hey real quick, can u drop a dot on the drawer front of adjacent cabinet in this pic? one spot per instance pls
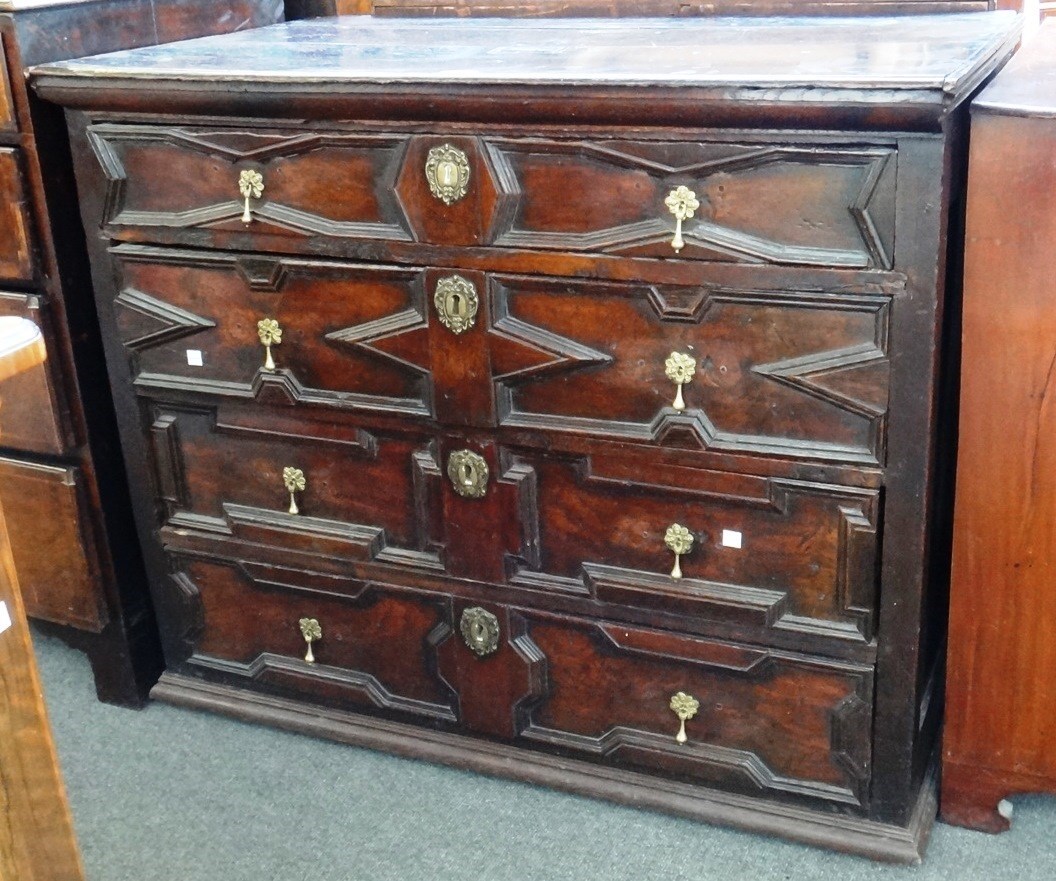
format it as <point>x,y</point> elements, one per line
<point>787,373</point>
<point>716,200</point>
<point>762,554</point>
<point>731,716</point>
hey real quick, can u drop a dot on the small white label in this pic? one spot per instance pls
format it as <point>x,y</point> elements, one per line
<point>731,538</point>
<point>5,617</point>
<point>194,357</point>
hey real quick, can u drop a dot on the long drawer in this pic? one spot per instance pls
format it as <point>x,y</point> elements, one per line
<point>761,553</point>
<point>793,202</point>
<point>751,719</point>
<point>779,372</point>
<point>50,527</point>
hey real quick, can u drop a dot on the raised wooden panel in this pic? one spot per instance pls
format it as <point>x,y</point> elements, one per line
<point>49,525</point>
<point>496,691</point>
<point>33,415</point>
<point>377,648</point>
<point>352,336</point>
<point>787,373</point>
<point>807,558</point>
<point>17,261</point>
<point>314,184</point>
<point>759,203</point>
<point>221,471</point>
<point>768,722</point>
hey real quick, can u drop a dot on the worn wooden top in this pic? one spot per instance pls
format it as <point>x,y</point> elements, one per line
<point>929,60</point>
<point>1027,87</point>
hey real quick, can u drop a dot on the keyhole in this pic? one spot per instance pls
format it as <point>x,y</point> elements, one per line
<point>467,474</point>
<point>478,632</point>
<point>456,304</point>
<point>447,174</point>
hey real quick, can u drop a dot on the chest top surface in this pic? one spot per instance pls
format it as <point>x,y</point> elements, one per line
<point>928,52</point>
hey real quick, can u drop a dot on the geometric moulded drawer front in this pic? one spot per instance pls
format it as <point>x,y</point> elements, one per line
<point>764,553</point>
<point>192,321</point>
<point>764,721</point>
<point>786,204</point>
<point>774,371</point>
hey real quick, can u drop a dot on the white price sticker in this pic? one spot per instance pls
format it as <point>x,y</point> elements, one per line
<point>5,618</point>
<point>731,538</point>
<point>194,357</point>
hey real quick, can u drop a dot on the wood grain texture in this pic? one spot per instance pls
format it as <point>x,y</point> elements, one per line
<point>36,834</point>
<point>1000,695</point>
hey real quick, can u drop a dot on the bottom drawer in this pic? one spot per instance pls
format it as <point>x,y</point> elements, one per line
<point>752,720</point>
<point>49,525</point>
<point>731,716</point>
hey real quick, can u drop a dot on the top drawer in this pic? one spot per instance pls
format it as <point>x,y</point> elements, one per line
<point>812,205</point>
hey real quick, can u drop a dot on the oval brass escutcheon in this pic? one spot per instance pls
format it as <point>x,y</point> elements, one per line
<point>447,171</point>
<point>480,630</point>
<point>456,303</point>
<point>468,473</point>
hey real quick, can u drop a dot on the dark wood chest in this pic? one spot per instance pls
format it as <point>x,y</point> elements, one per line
<point>570,391</point>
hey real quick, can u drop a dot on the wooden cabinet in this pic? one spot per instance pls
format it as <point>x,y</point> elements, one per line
<point>1000,692</point>
<point>514,425</point>
<point>69,513</point>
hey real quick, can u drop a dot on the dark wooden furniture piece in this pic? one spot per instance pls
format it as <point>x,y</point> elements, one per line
<point>1001,691</point>
<point>69,515</point>
<point>36,834</point>
<point>452,391</point>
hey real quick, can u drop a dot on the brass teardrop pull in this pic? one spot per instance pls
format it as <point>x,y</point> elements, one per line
<point>270,334</point>
<point>250,186</point>
<point>312,632</point>
<point>684,706</point>
<point>682,202</point>
<point>679,541</point>
<point>679,368</point>
<point>294,481</point>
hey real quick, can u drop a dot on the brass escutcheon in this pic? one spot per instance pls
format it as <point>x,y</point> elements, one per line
<point>447,171</point>
<point>456,303</point>
<point>468,473</point>
<point>480,630</point>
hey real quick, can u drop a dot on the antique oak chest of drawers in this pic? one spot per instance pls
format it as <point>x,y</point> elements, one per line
<point>558,399</point>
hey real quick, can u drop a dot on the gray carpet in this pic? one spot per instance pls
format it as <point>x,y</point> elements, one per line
<point>173,795</point>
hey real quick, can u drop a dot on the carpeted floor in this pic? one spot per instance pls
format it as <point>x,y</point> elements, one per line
<point>172,795</point>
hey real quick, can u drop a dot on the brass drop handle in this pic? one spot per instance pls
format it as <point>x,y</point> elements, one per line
<point>684,706</point>
<point>680,368</point>
<point>679,541</point>
<point>681,202</point>
<point>251,186</point>
<point>293,480</point>
<point>270,334</point>
<point>312,632</point>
